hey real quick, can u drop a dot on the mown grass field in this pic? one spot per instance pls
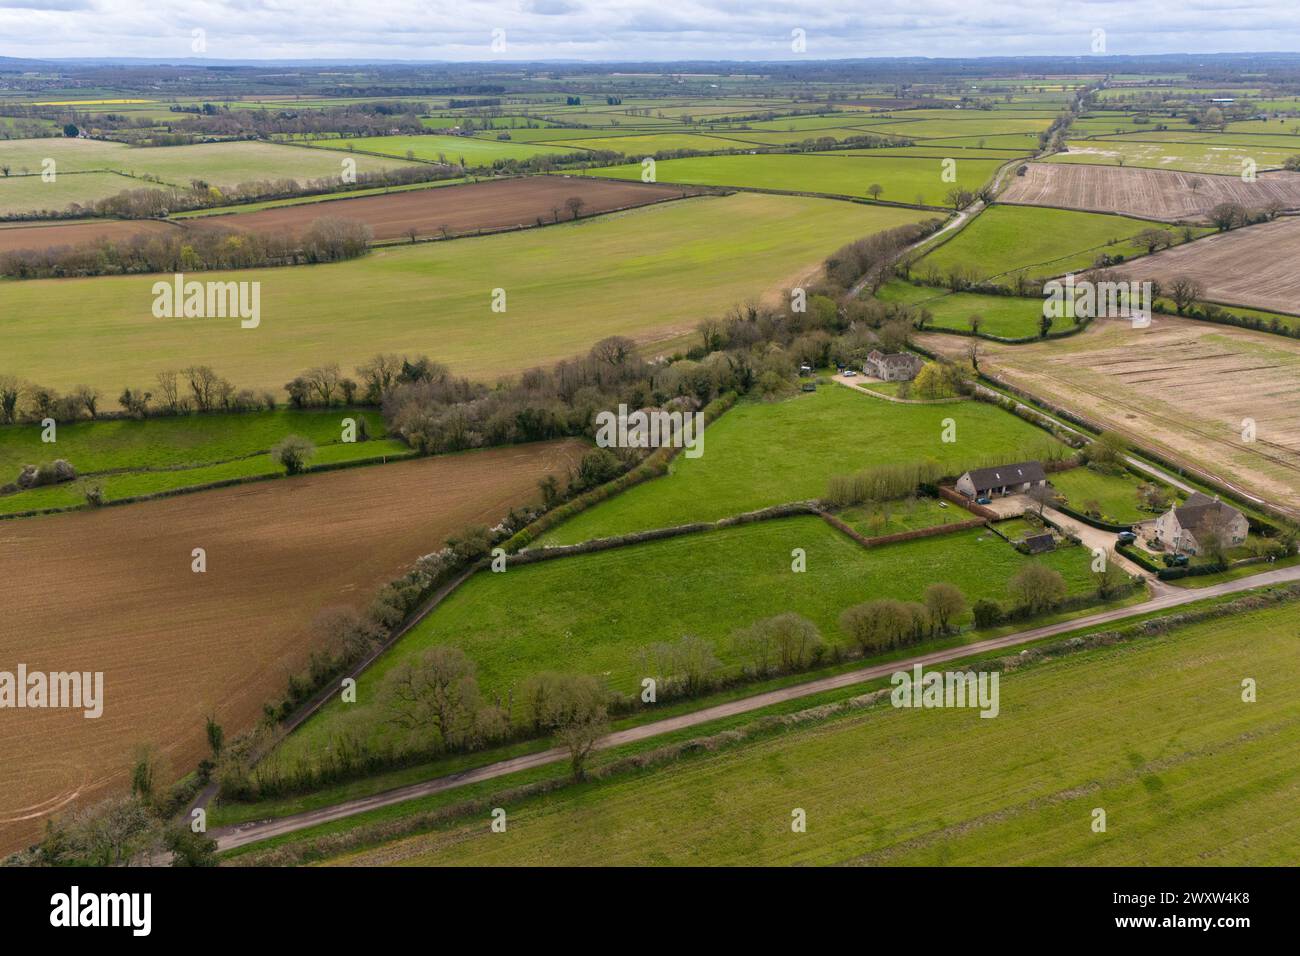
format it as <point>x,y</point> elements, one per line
<point>451,149</point>
<point>1115,494</point>
<point>595,613</point>
<point>903,179</point>
<point>126,457</point>
<point>910,514</point>
<point>1003,315</point>
<point>1154,732</point>
<point>567,286</point>
<point>767,453</point>
<point>1038,240</point>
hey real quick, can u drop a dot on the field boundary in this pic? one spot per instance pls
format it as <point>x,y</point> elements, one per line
<point>238,835</point>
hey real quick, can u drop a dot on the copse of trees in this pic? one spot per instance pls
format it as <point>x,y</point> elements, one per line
<point>885,624</point>
<point>780,644</point>
<point>872,259</point>
<point>878,483</point>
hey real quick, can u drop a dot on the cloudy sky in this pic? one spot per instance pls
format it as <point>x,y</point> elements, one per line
<point>638,29</point>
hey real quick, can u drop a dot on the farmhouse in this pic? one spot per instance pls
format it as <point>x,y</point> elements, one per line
<point>1002,479</point>
<point>894,367</point>
<point>1186,527</point>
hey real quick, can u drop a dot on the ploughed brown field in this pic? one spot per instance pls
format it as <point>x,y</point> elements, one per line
<point>1255,266</point>
<point>1151,193</point>
<point>1183,387</point>
<point>113,591</point>
<point>470,208</point>
<point>53,235</point>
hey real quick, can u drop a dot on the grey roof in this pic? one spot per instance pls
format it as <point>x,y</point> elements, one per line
<point>1000,475</point>
<point>1200,511</point>
<point>1038,543</point>
<point>894,358</point>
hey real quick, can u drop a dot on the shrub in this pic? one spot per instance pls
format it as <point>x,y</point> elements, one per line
<point>988,613</point>
<point>47,473</point>
<point>293,452</point>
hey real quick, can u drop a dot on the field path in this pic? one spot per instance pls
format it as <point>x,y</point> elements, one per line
<point>228,838</point>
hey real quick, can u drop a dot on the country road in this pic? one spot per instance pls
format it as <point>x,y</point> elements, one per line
<point>228,838</point>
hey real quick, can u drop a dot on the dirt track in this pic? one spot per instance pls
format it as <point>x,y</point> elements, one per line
<point>488,206</point>
<point>1255,266</point>
<point>113,591</point>
<point>1152,193</point>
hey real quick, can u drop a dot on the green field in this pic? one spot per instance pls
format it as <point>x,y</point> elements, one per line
<point>941,151</point>
<point>1115,495</point>
<point>221,164</point>
<point>126,457</point>
<point>1039,240</point>
<point>764,453</point>
<point>1002,315</point>
<point>23,194</point>
<point>1154,732</point>
<point>1105,124</point>
<point>993,124</point>
<point>789,137</point>
<point>594,613</point>
<point>905,180</point>
<point>567,287</point>
<point>1022,142</point>
<point>451,149</point>
<point>910,514</point>
<point>648,145</point>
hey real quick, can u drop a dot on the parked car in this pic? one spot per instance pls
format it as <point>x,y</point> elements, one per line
<point>849,373</point>
<point>1126,537</point>
<point>1175,560</point>
<point>986,500</point>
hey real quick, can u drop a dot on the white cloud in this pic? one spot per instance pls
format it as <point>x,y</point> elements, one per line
<point>637,29</point>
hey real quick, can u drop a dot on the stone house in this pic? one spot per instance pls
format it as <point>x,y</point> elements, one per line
<point>894,367</point>
<point>1185,527</point>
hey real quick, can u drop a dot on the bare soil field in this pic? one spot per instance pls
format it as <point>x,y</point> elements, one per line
<point>1152,193</point>
<point>1181,386</point>
<point>1255,266</point>
<point>51,235</point>
<point>113,591</point>
<point>471,208</point>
